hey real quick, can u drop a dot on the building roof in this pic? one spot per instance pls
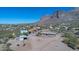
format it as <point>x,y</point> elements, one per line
<point>22,36</point>
<point>23,31</point>
<point>50,33</point>
<point>77,33</point>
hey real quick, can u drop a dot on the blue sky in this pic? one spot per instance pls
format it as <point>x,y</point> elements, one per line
<point>14,15</point>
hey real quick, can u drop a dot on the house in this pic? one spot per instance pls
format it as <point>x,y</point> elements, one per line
<point>75,30</point>
<point>23,31</point>
<point>48,33</point>
<point>77,34</point>
<point>23,35</point>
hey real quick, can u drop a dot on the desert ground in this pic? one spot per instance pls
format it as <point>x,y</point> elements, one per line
<point>40,43</point>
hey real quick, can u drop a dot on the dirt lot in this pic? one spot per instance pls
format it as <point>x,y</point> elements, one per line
<point>46,43</point>
<point>40,43</point>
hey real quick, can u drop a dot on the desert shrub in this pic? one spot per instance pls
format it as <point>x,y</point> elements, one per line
<point>6,47</point>
<point>66,40</point>
<point>70,40</point>
<point>72,45</point>
<point>62,29</point>
<point>9,44</point>
<point>38,34</point>
<point>18,44</point>
<point>5,40</point>
<point>11,36</point>
<point>1,42</point>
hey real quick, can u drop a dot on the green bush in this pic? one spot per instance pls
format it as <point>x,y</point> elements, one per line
<point>66,41</point>
<point>70,39</point>
<point>1,42</point>
<point>9,44</point>
<point>6,47</point>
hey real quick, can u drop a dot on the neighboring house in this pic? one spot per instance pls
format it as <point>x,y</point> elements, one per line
<point>34,29</point>
<point>75,30</point>
<point>77,34</point>
<point>22,35</point>
<point>38,28</point>
<point>23,31</point>
<point>47,32</point>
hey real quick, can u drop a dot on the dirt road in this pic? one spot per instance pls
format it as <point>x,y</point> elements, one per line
<point>40,43</point>
<point>46,43</point>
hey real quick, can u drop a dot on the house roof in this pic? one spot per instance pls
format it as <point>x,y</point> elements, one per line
<point>22,31</point>
<point>22,36</point>
<point>51,33</point>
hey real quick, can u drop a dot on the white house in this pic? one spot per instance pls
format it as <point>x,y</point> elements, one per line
<point>23,31</point>
<point>22,36</point>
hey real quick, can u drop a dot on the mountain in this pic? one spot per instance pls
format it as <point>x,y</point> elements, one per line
<point>60,17</point>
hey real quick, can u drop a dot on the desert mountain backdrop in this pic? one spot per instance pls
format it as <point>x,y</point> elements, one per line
<point>60,16</point>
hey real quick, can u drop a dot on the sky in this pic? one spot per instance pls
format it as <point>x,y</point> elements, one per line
<point>15,15</point>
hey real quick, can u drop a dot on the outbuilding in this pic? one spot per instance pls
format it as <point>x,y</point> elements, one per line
<point>22,37</point>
